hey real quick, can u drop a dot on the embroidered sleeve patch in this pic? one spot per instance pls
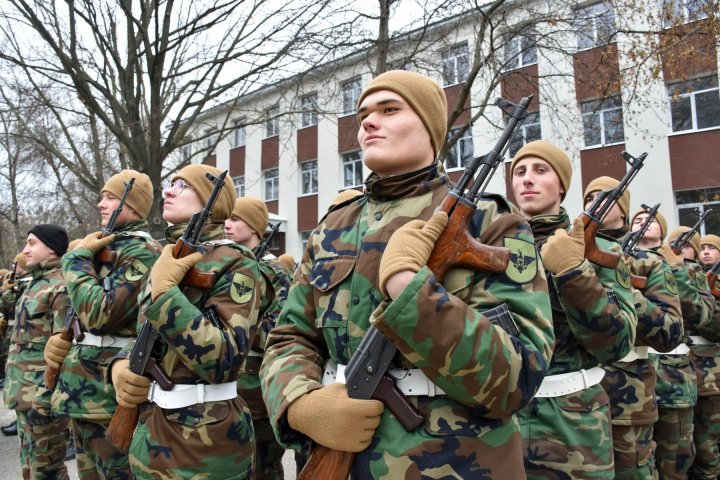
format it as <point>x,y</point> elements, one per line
<point>242,288</point>
<point>671,283</point>
<point>701,282</point>
<point>523,263</point>
<point>136,271</point>
<point>622,274</point>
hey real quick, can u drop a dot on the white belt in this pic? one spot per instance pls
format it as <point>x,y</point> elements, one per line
<point>637,353</point>
<point>411,382</point>
<point>681,349</point>
<point>104,340</point>
<point>184,395</point>
<point>698,340</point>
<point>567,383</point>
<point>253,353</point>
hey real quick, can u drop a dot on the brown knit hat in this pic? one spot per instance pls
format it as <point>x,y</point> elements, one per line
<point>694,240</point>
<point>556,158</point>
<point>424,96</point>
<point>194,175</point>
<point>140,198</point>
<point>287,262</point>
<point>344,196</point>
<point>21,260</point>
<point>606,183</point>
<point>5,271</point>
<point>713,240</point>
<point>660,219</point>
<point>254,212</point>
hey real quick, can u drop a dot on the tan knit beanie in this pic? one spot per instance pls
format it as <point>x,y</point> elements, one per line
<point>140,197</point>
<point>21,261</point>
<point>194,175</point>
<point>713,240</point>
<point>660,219</point>
<point>287,262</point>
<point>607,183</point>
<point>694,240</point>
<point>424,96</point>
<point>556,158</point>
<point>254,212</point>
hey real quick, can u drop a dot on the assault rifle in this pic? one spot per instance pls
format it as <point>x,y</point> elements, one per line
<point>679,243</point>
<point>149,347</point>
<point>712,276</point>
<point>13,273</point>
<point>593,217</point>
<point>71,327</point>
<point>262,248</point>
<point>629,245</point>
<point>367,373</point>
<point>10,280</point>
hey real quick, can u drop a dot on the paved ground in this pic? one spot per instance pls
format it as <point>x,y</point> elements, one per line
<point>10,453</point>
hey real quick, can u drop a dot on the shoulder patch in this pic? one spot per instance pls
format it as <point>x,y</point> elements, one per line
<point>701,281</point>
<point>523,263</point>
<point>671,283</point>
<point>622,274</point>
<point>241,288</point>
<point>136,271</point>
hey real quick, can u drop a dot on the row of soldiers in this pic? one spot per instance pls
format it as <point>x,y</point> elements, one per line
<point>552,366</point>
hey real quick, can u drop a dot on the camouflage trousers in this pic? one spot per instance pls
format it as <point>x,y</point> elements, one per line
<point>43,445</point>
<point>674,437</point>
<point>268,453</point>
<point>634,450</point>
<point>568,436</point>
<point>98,459</point>
<point>706,435</point>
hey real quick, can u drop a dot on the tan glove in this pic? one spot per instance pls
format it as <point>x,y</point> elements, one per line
<point>334,420</point>
<point>56,349</point>
<point>94,243</point>
<point>169,271</point>
<point>8,286</point>
<point>410,246</point>
<point>562,252</point>
<point>671,258</point>
<point>130,389</point>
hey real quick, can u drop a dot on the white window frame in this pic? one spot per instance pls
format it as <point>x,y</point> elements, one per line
<point>594,16</point>
<point>677,12</point>
<point>304,237</point>
<point>523,136</point>
<point>456,64</point>
<point>309,110</point>
<point>351,90</point>
<point>600,110</point>
<point>521,51</point>
<point>711,202</point>
<point>681,90</point>
<point>186,151</point>
<point>309,176</point>
<point>464,144</point>
<point>272,122</point>
<point>239,182</point>
<point>211,140</point>
<point>239,133</point>
<point>354,158</point>
<point>271,184</point>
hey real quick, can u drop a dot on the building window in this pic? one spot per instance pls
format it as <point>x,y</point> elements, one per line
<point>350,95</point>
<point>211,139</point>
<point>272,122</point>
<point>695,104</point>
<point>239,186</point>
<point>304,237</point>
<point>308,106</point>
<point>309,177</point>
<point>238,135</point>
<point>603,121</point>
<point>456,64</point>
<point>520,51</point>
<point>595,25</point>
<point>352,169</point>
<point>272,185</point>
<point>676,12</point>
<point>693,203</point>
<point>461,153</point>
<point>186,151</point>
<point>528,132</point>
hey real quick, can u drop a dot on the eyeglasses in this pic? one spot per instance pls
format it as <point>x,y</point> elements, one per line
<point>176,187</point>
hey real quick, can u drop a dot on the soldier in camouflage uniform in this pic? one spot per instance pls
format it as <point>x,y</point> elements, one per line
<point>566,427</point>
<point>10,293</point>
<point>246,226</point>
<point>709,251</point>
<point>43,437</point>
<point>104,296</point>
<point>363,265</point>
<point>201,428</point>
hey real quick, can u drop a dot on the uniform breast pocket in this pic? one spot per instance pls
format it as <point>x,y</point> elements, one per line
<point>330,279</point>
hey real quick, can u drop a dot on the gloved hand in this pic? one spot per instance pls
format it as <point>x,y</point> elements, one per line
<point>130,389</point>
<point>670,257</point>
<point>8,286</point>
<point>94,243</point>
<point>334,420</point>
<point>56,349</point>
<point>169,271</point>
<point>410,246</point>
<point>562,252</point>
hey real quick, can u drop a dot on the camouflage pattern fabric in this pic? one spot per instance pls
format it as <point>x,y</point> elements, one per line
<point>213,439</point>
<point>594,320</point>
<point>488,373</point>
<point>43,445</point>
<point>268,452</point>
<point>674,437</point>
<point>8,300</point>
<point>96,457</point>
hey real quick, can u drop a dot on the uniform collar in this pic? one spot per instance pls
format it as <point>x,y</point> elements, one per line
<point>544,225</point>
<point>406,185</point>
<point>212,230</point>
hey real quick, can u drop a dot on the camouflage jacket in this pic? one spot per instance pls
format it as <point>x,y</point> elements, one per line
<point>106,303</point>
<point>490,374</point>
<point>9,298</point>
<point>42,306</point>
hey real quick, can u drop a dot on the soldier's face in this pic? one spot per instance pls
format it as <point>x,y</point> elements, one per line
<point>179,208</point>
<point>688,253</point>
<point>614,219</point>
<point>536,186</point>
<point>709,255</point>
<point>240,232</point>
<point>652,234</point>
<point>36,251</point>
<point>108,203</point>
<point>392,136</point>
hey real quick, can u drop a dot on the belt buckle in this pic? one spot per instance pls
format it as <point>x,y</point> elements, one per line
<point>151,391</point>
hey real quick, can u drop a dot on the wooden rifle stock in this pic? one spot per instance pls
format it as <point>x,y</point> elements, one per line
<point>51,373</point>
<point>712,277</point>
<point>593,253</point>
<point>637,281</point>
<point>106,255</point>
<point>327,464</point>
<point>194,277</point>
